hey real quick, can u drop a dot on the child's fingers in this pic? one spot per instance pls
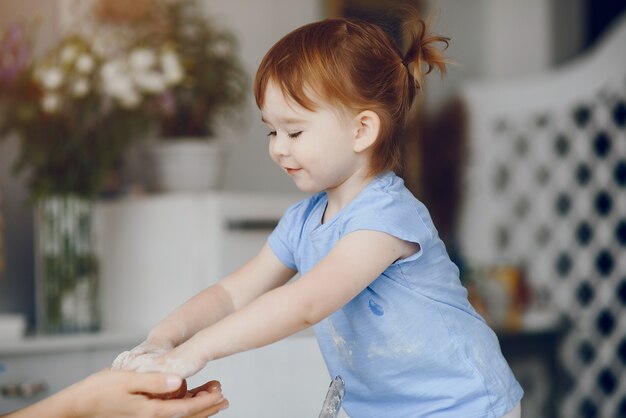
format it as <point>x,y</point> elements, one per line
<point>121,360</point>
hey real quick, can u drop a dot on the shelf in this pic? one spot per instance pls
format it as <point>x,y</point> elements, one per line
<point>70,342</point>
<point>77,342</point>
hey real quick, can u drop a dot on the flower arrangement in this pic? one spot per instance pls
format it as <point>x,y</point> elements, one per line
<point>214,83</point>
<point>75,111</point>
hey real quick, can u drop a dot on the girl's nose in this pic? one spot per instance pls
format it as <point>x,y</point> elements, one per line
<point>280,145</point>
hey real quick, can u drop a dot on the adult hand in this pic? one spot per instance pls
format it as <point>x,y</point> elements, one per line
<point>116,394</point>
<point>206,390</point>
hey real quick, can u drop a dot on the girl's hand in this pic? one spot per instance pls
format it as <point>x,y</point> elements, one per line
<point>122,361</point>
<point>178,361</point>
<point>116,394</point>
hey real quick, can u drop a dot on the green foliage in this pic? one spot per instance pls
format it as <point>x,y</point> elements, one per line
<point>215,83</point>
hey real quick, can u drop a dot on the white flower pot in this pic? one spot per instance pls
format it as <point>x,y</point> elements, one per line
<point>188,164</point>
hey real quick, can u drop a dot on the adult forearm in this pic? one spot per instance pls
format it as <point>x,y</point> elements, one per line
<point>56,406</point>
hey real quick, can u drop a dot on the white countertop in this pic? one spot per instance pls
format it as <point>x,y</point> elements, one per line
<point>74,342</point>
<point>68,342</point>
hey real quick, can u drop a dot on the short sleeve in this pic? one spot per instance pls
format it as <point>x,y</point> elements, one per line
<point>282,240</point>
<point>398,215</point>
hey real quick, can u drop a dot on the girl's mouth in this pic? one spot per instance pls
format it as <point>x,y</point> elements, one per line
<point>291,171</point>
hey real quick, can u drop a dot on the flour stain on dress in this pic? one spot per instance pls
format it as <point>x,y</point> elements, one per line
<point>390,350</point>
<point>395,347</point>
<point>342,346</point>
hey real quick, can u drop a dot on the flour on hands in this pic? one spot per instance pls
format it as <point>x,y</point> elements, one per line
<point>165,363</point>
<point>122,361</point>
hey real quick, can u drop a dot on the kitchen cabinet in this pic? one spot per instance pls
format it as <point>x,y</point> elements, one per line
<point>158,251</point>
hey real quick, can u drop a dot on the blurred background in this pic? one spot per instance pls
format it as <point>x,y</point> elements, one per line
<point>519,153</point>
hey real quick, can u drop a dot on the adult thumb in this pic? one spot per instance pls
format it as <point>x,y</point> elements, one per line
<point>153,382</point>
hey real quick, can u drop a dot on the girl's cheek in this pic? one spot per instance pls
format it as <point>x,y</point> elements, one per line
<point>274,158</point>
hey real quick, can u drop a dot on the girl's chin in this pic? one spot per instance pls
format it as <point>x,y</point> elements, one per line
<point>307,187</point>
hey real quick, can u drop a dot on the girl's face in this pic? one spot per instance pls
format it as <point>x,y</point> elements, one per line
<point>315,148</point>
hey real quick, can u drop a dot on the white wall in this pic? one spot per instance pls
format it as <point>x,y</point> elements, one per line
<point>258,25</point>
<point>463,22</point>
<point>517,37</point>
<point>499,39</point>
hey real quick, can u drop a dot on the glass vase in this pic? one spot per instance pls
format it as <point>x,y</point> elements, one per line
<point>66,266</point>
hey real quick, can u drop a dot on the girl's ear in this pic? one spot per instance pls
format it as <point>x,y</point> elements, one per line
<point>367,129</point>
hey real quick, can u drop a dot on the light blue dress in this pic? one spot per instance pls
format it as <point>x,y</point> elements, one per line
<point>410,344</point>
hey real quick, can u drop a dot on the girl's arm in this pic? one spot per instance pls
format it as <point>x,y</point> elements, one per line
<point>357,260</point>
<point>259,275</point>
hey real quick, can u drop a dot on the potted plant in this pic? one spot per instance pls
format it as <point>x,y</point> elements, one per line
<point>189,154</point>
<point>74,112</point>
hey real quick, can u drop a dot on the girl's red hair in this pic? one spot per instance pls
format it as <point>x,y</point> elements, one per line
<point>356,65</point>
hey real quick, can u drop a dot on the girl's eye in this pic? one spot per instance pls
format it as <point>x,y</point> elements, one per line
<point>294,134</point>
<point>272,133</point>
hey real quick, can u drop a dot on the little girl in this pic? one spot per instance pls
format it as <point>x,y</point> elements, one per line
<point>390,314</point>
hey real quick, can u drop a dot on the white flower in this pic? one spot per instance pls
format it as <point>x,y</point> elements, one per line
<point>150,82</point>
<point>129,99</point>
<point>68,53</point>
<point>85,63</point>
<point>142,59</point>
<point>117,84</point>
<point>112,70</point>
<point>50,103</point>
<point>80,87</point>
<point>101,46</point>
<point>221,48</point>
<point>172,70</point>
<point>51,78</point>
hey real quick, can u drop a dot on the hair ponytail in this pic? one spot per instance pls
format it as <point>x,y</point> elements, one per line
<point>422,51</point>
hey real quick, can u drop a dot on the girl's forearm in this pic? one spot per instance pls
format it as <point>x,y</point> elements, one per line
<point>270,318</point>
<point>204,309</point>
